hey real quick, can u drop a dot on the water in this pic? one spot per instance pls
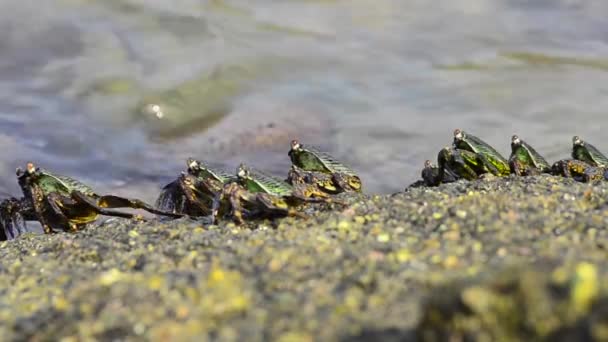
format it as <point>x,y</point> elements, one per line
<point>381,84</point>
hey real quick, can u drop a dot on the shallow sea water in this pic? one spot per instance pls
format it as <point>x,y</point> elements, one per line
<point>380,84</point>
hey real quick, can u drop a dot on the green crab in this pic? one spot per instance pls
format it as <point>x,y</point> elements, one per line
<point>193,192</point>
<point>430,174</point>
<point>524,160</point>
<point>255,193</point>
<point>579,170</point>
<point>583,151</point>
<point>60,202</point>
<point>320,180</point>
<point>588,163</point>
<point>309,159</point>
<point>494,161</point>
<point>461,164</point>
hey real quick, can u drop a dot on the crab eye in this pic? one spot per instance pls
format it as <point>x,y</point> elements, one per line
<point>192,164</point>
<point>241,171</point>
<point>30,168</point>
<point>19,172</point>
<point>458,134</point>
<point>295,145</point>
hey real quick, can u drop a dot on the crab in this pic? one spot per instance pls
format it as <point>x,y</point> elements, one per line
<point>310,159</point>
<point>588,163</point>
<point>255,193</point>
<point>583,151</point>
<point>494,161</point>
<point>430,174</point>
<point>60,202</point>
<point>193,192</point>
<point>461,164</point>
<point>524,160</point>
<point>579,170</point>
<point>322,181</point>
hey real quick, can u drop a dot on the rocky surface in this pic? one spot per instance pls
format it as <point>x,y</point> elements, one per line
<point>494,259</point>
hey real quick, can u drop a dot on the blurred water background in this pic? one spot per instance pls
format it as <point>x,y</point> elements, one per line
<point>119,92</point>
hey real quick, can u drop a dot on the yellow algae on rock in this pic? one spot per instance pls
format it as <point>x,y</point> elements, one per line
<point>110,277</point>
<point>155,282</point>
<point>225,295</point>
<point>585,288</point>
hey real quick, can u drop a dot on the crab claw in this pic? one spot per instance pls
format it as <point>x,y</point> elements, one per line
<point>19,172</point>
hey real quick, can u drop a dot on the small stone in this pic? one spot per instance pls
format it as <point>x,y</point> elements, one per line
<point>110,277</point>
<point>450,262</point>
<point>461,214</point>
<point>384,237</point>
<point>403,255</point>
<point>343,225</point>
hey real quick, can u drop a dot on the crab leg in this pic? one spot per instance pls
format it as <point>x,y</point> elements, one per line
<point>271,205</point>
<point>11,218</point>
<point>59,202</point>
<point>491,168</point>
<point>79,196</point>
<point>171,198</point>
<point>111,201</point>
<point>310,194</point>
<point>37,199</point>
<point>230,190</point>
<point>347,183</point>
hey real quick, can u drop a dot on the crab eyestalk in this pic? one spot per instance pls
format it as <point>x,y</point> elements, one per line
<point>242,172</point>
<point>295,145</point>
<point>459,134</point>
<point>577,141</point>
<point>193,165</point>
<point>30,169</point>
<point>515,141</point>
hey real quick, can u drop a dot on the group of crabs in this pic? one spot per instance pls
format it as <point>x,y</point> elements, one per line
<point>61,203</point>
<point>469,158</point>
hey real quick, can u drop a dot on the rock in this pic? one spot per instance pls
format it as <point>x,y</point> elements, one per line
<point>522,263</point>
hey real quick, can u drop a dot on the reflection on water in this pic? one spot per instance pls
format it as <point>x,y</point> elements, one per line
<point>119,93</point>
